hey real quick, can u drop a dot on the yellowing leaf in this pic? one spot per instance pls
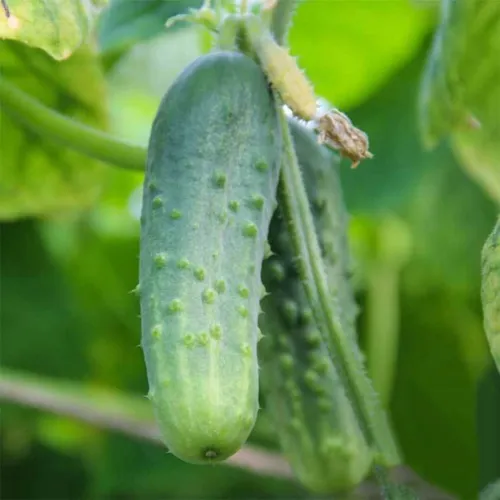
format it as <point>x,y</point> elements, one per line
<point>57,26</point>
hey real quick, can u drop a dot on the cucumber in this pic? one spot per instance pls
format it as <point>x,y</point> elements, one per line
<point>209,194</point>
<point>313,417</point>
<point>490,291</point>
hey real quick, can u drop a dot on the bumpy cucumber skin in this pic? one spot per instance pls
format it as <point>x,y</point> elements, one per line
<point>209,194</point>
<point>490,291</point>
<point>316,425</point>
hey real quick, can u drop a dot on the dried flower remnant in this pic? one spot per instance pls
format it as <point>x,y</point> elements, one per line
<point>338,132</point>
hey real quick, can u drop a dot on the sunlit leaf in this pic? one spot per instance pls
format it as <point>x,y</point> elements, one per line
<point>59,27</point>
<point>350,48</point>
<point>37,176</point>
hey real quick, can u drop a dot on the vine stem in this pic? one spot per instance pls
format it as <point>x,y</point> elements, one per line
<point>119,413</point>
<point>42,120</point>
<point>382,318</point>
<point>32,393</point>
<point>294,203</point>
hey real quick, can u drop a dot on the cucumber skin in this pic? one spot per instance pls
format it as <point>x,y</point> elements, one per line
<point>209,194</point>
<point>490,291</point>
<point>314,421</point>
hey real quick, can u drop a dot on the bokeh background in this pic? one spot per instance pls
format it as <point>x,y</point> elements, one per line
<point>69,256</point>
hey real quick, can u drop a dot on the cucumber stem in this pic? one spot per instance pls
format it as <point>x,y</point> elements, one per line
<point>294,203</point>
<point>44,121</point>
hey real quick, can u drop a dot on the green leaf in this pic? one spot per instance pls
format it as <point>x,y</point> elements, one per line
<point>37,176</point>
<point>450,219</point>
<point>126,22</point>
<point>42,329</point>
<point>480,156</point>
<point>443,351</point>
<point>460,95</point>
<point>389,119</point>
<point>349,49</point>
<point>488,416</point>
<point>58,27</point>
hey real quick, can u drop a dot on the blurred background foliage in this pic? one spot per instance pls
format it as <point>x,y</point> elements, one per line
<point>66,307</point>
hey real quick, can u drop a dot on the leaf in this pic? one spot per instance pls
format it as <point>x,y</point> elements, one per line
<point>480,157</point>
<point>488,416</point>
<point>58,27</point>
<point>127,22</point>
<point>443,352</point>
<point>460,94</point>
<point>450,219</point>
<point>42,328</point>
<point>39,177</point>
<point>349,49</point>
<point>389,119</point>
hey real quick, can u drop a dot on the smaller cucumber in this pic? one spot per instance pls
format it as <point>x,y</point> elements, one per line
<point>490,291</point>
<point>313,417</point>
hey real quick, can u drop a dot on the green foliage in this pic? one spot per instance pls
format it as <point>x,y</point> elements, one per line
<point>133,468</point>
<point>488,416</point>
<point>460,93</point>
<point>389,118</point>
<point>59,27</point>
<point>349,49</point>
<point>127,22</point>
<point>38,314</point>
<point>490,291</point>
<point>39,177</point>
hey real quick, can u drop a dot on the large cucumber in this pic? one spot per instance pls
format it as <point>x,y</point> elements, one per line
<point>490,292</point>
<point>315,422</point>
<point>209,194</point>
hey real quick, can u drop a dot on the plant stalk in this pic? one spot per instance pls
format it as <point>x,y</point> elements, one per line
<point>382,316</point>
<point>42,120</point>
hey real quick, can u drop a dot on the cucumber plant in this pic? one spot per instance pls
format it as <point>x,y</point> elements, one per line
<point>225,173</point>
<point>211,419</point>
